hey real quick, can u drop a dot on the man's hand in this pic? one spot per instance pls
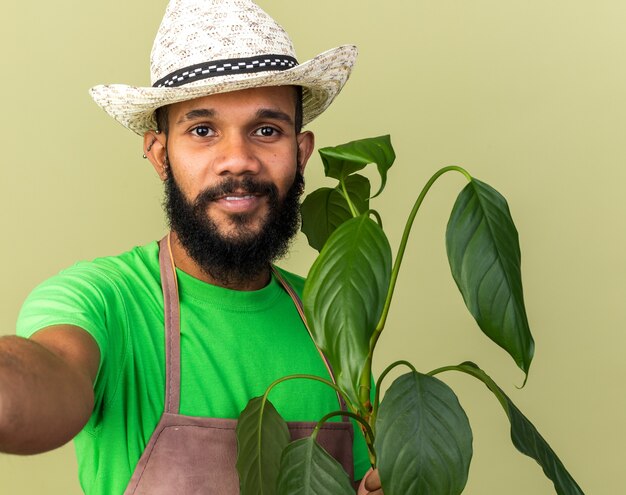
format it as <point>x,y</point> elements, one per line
<point>370,485</point>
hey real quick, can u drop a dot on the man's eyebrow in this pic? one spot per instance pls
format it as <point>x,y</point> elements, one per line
<point>269,113</point>
<point>198,113</point>
<point>263,113</point>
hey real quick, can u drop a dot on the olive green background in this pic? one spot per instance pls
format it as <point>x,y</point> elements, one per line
<point>528,95</point>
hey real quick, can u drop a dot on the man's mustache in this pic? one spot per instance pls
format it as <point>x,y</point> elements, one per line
<point>230,186</point>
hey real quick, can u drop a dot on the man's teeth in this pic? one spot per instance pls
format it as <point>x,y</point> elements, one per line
<point>238,198</point>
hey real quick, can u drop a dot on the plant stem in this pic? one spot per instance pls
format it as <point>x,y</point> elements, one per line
<point>405,237</point>
<point>369,434</point>
<point>479,374</point>
<point>365,389</point>
<point>378,218</point>
<point>442,369</point>
<point>379,384</point>
<point>310,377</point>
<point>353,210</point>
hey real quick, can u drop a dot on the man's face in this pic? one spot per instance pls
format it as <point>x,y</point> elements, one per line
<point>227,139</point>
<point>234,178</point>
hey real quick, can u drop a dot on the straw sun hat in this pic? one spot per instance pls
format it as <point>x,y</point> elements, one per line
<point>205,47</point>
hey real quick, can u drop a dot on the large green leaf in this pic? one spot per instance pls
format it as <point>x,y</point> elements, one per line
<point>262,434</point>
<point>484,255</point>
<point>326,209</point>
<point>423,440</point>
<point>345,159</point>
<point>527,439</point>
<point>307,469</point>
<point>344,296</point>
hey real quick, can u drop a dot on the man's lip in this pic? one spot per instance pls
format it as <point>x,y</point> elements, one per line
<point>237,195</point>
<point>247,197</point>
<point>239,202</point>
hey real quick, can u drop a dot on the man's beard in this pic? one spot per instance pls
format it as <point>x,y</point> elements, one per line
<point>243,254</point>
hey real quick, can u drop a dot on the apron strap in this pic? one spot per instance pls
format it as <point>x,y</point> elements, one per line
<point>172,326</point>
<point>300,307</point>
<point>171,305</point>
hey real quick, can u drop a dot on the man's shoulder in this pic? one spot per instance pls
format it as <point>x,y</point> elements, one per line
<point>140,260</point>
<point>83,294</point>
<point>102,275</point>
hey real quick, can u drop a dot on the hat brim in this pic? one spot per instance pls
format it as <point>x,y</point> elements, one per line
<point>321,78</point>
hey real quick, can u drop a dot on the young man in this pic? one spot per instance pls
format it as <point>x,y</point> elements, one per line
<point>148,357</point>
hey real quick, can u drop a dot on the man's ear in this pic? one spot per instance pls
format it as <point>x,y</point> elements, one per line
<point>154,150</point>
<point>306,144</point>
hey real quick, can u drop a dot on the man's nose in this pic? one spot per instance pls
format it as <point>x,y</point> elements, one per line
<point>236,156</point>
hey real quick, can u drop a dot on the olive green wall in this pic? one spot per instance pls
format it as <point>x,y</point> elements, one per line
<point>528,95</point>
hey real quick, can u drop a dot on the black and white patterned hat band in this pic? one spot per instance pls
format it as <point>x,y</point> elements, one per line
<point>261,63</point>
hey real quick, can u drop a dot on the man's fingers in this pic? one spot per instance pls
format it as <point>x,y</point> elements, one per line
<point>372,483</point>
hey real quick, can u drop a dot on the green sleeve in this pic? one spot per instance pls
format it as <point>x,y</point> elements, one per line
<point>79,296</point>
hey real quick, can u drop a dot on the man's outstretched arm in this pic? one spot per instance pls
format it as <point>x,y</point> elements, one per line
<point>46,388</point>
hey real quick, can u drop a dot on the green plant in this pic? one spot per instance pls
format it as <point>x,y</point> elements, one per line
<point>346,300</point>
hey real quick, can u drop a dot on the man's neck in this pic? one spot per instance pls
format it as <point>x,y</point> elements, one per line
<point>184,262</point>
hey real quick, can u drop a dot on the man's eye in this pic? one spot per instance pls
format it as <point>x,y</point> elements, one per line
<point>201,130</point>
<point>266,131</point>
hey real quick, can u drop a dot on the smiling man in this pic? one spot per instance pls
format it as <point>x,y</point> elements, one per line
<point>148,357</point>
<point>232,164</point>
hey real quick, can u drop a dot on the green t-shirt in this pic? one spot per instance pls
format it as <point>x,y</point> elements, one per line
<point>233,345</point>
